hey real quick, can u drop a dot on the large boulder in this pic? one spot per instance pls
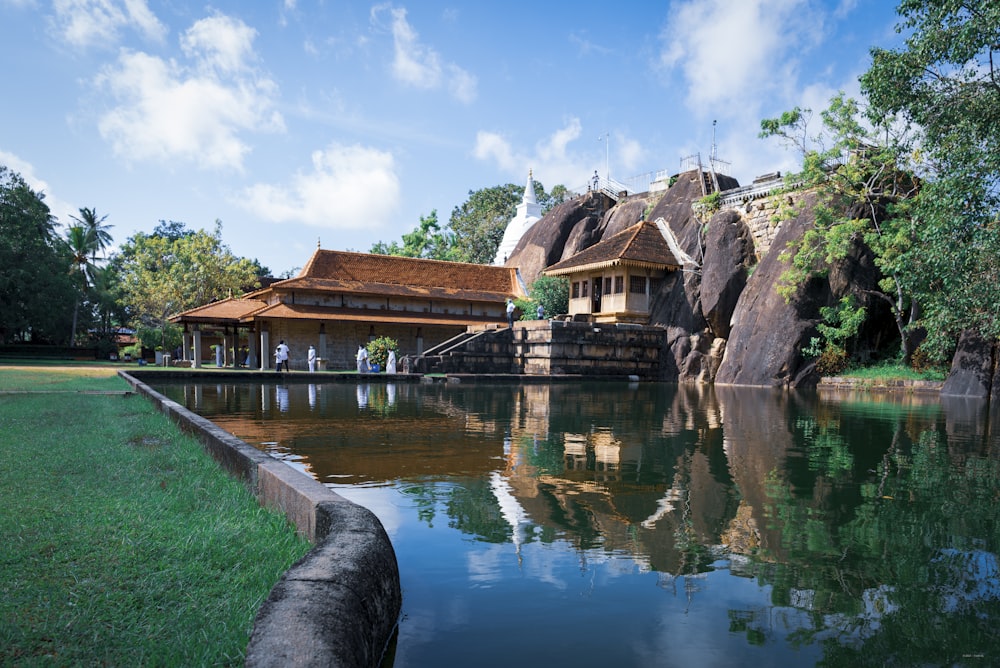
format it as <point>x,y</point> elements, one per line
<point>768,332</point>
<point>972,367</point>
<point>729,253</point>
<point>565,230</point>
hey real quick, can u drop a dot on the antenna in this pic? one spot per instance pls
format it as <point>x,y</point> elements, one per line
<point>715,148</point>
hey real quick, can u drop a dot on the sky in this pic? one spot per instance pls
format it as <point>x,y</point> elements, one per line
<point>299,123</point>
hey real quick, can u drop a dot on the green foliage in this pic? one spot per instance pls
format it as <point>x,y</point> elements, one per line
<point>860,178</point>
<point>378,350</point>
<point>944,81</point>
<point>475,229</point>
<point>426,241</point>
<point>165,275</point>
<point>552,292</point>
<point>840,324</point>
<point>37,293</point>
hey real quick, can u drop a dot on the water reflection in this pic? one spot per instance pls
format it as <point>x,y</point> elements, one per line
<point>777,528</point>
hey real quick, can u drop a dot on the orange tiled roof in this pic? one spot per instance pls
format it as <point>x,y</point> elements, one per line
<point>232,310</point>
<point>364,273</point>
<point>310,312</point>
<point>640,245</point>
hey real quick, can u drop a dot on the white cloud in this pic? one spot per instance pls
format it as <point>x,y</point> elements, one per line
<point>418,65</point>
<point>553,159</point>
<point>166,111</point>
<point>220,42</point>
<point>732,55</point>
<point>86,23</point>
<point>349,187</point>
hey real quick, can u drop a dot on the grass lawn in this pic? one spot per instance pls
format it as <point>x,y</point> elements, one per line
<point>124,543</point>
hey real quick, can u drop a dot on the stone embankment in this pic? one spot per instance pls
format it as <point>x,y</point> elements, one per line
<point>339,605</point>
<point>840,383</point>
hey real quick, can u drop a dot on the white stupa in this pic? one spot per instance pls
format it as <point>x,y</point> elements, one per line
<point>529,212</point>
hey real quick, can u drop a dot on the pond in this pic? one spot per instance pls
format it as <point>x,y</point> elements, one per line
<point>644,524</point>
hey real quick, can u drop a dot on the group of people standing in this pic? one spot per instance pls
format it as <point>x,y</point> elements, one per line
<point>282,352</point>
<point>365,367</point>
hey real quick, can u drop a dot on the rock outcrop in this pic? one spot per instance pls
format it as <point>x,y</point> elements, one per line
<point>973,369</point>
<point>724,319</point>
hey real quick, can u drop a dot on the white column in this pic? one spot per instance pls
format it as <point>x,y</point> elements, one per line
<point>265,348</point>
<point>197,348</point>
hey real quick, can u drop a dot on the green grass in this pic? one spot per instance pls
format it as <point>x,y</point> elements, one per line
<point>895,371</point>
<point>124,543</point>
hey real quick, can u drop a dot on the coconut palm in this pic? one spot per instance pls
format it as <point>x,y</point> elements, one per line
<point>95,227</point>
<point>82,246</point>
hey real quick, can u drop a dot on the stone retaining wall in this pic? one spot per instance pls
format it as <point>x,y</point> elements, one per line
<point>339,605</point>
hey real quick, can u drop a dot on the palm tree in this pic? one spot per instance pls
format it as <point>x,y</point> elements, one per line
<point>82,246</point>
<point>96,228</point>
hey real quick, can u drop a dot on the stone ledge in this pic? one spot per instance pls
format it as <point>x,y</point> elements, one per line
<point>339,605</point>
<point>869,385</point>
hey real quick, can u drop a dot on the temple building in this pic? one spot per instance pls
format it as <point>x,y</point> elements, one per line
<point>341,300</point>
<point>614,280</point>
<point>529,212</point>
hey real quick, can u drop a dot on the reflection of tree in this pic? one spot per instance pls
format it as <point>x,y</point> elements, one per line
<point>474,510</point>
<point>912,577</point>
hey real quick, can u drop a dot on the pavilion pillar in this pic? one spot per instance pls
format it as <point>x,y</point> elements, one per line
<point>197,347</point>
<point>321,351</point>
<point>265,345</point>
<point>186,345</point>
<point>252,347</point>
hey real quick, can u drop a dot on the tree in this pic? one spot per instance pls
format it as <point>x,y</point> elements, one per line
<point>35,288</point>
<point>427,241</point>
<point>945,81</point>
<point>552,292</point>
<point>82,244</point>
<point>860,169</point>
<point>479,223</point>
<point>164,275</point>
<point>96,229</point>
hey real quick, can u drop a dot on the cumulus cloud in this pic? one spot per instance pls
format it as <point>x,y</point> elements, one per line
<point>86,23</point>
<point>348,187</point>
<point>196,112</point>
<point>418,65</point>
<point>733,54</point>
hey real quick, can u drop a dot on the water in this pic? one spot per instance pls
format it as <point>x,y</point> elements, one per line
<point>600,524</point>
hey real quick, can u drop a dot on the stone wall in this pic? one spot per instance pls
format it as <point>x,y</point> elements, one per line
<point>553,347</point>
<point>761,216</point>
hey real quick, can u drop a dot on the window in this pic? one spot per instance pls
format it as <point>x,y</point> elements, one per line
<point>619,284</point>
<point>586,286</point>
<point>576,289</point>
<point>637,285</point>
<point>607,285</point>
<point>654,285</point>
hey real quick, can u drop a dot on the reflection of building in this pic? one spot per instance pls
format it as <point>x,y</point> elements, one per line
<point>340,300</point>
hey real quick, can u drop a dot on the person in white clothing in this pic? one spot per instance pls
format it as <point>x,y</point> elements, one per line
<point>362,360</point>
<point>311,359</point>
<point>281,356</point>
<point>390,364</point>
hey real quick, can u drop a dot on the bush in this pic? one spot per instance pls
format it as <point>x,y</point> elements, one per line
<point>378,350</point>
<point>832,361</point>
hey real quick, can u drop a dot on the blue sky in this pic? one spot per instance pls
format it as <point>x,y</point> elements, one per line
<point>340,122</point>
